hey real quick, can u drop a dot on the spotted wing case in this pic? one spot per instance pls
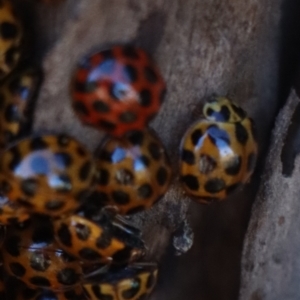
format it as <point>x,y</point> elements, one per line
<point>218,153</point>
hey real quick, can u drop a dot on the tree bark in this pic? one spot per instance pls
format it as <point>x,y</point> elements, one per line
<point>202,48</point>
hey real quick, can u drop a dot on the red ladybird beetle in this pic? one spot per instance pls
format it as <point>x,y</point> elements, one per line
<point>117,90</point>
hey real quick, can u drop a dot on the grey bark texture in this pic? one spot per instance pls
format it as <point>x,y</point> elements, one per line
<point>225,47</point>
<point>271,264</point>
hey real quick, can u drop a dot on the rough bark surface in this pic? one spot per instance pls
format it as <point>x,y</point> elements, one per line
<point>271,264</point>
<point>202,47</point>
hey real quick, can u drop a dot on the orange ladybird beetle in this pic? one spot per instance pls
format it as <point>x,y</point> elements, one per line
<point>47,174</point>
<point>11,38</point>
<point>31,254</point>
<point>103,241</point>
<point>117,90</point>
<point>135,282</point>
<point>218,153</point>
<point>134,172</point>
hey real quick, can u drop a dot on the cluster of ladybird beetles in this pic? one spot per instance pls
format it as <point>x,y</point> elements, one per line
<point>61,207</point>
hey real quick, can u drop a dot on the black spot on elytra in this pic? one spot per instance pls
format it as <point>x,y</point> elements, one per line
<point>89,254</point>
<point>130,73</point>
<point>12,113</point>
<point>103,177</point>
<point>83,195</point>
<point>17,269</point>
<point>195,136</point>
<point>104,240</point>
<point>80,108</point>
<point>5,187</point>
<point>120,197</point>
<point>38,144</point>
<point>107,125</point>
<point>85,171</point>
<point>40,281</point>
<point>206,164</point>
<point>145,98</point>
<point>64,235</point>
<point>188,156</point>
<point>54,205</point>
<point>63,140</point>
<point>130,52</point>
<point>12,245</point>
<point>241,133</point>
<point>72,295</point>
<point>63,159</point>
<point>101,106</point>
<point>155,150</point>
<point>215,185</point>
<point>133,291</point>
<point>225,113</point>
<point>105,156</point>
<point>239,111</point>
<point>107,54</point>
<point>127,117</point>
<point>16,158</point>
<point>82,231</point>
<point>39,261</point>
<point>67,276</point>
<point>251,162</point>
<point>233,165</point>
<point>150,74</point>
<point>162,176</point>
<point>29,187</point>
<point>145,160</point>
<point>8,30</point>
<point>145,191</point>
<point>191,182</point>
<point>136,138</point>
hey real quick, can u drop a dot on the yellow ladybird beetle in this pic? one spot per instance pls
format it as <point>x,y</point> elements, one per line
<point>217,153</point>
<point>131,283</point>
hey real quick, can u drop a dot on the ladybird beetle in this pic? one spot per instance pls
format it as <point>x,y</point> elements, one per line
<point>117,90</point>
<point>11,37</point>
<point>134,172</point>
<point>218,153</point>
<point>132,283</point>
<point>27,293</point>
<point>49,174</point>
<point>31,254</point>
<point>92,242</point>
<point>16,95</point>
